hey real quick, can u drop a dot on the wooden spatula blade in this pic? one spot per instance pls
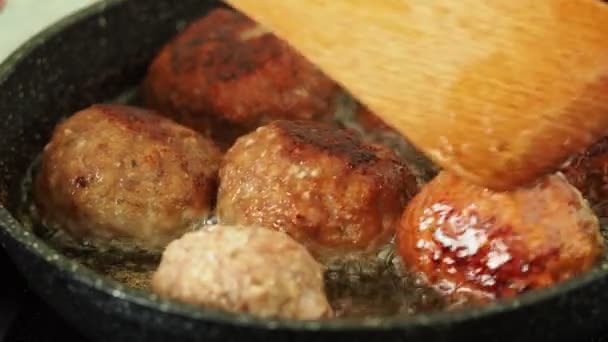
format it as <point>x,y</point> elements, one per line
<point>499,92</point>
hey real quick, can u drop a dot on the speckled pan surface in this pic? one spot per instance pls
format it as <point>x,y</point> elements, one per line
<point>93,56</point>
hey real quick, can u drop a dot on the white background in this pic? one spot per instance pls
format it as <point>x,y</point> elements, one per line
<point>20,19</point>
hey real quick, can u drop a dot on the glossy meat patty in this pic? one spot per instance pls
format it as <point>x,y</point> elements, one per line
<point>320,184</point>
<point>114,172</point>
<point>588,172</point>
<point>224,75</point>
<point>243,269</point>
<point>467,240</point>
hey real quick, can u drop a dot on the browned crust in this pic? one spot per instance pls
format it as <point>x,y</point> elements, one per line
<point>224,82</point>
<point>323,138</point>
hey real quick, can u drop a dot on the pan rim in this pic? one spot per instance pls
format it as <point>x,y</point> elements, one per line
<point>89,278</point>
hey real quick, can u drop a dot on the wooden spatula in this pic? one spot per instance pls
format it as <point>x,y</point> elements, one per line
<point>498,91</point>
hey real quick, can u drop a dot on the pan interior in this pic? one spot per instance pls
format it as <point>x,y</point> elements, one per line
<point>358,286</point>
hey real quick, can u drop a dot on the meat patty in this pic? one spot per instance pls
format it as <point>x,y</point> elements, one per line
<point>320,184</point>
<point>468,240</point>
<point>243,269</point>
<point>588,172</point>
<point>224,75</point>
<point>120,173</point>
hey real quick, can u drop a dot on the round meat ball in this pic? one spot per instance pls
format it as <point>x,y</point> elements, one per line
<point>479,244</point>
<point>115,173</point>
<point>243,269</point>
<point>588,172</point>
<point>224,75</point>
<point>322,185</point>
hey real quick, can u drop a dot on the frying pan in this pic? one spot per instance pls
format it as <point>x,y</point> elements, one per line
<point>98,53</point>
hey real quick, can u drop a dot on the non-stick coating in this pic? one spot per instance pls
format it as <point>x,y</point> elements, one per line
<point>100,52</point>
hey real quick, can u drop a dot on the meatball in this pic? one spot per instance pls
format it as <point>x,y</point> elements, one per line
<point>322,185</point>
<point>473,242</point>
<point>243,269</point>
<point>115,173</point>
<point>588,172</point>
<point>224,75</point>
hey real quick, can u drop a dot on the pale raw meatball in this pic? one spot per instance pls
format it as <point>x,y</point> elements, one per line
<point>120,174</point>
<point>243,269</point>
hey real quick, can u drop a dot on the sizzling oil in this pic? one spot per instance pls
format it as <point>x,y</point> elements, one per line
<point>357,286</point>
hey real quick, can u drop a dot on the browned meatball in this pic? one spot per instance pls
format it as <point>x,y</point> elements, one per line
<point>121,173</point>
<point>243,269</point>
<point>320,184</point>
<point>468,240</point>
<point>224,75</point>
<point>588,172</point>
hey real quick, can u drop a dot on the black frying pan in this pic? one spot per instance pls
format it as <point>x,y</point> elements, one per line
<point>97,54</point>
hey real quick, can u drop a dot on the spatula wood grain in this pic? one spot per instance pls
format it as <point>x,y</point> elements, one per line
<point>499,92</point>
